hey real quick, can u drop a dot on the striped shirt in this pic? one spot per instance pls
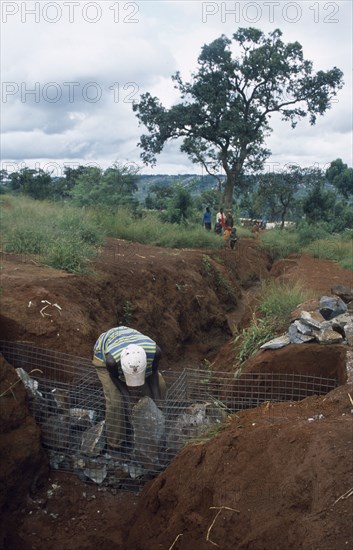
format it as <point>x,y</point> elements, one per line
<point>116,339</point>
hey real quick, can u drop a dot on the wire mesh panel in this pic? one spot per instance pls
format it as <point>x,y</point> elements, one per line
<point>67,399</point>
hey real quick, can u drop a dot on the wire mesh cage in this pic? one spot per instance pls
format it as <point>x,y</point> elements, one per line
<point>67,400</point>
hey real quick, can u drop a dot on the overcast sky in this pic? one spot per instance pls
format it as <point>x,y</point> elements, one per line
<point>71,69</point>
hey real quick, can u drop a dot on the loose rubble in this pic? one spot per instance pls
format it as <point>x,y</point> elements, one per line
<point>331,322</point>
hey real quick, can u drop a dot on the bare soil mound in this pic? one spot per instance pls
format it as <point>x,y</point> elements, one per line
<point>272,478</point>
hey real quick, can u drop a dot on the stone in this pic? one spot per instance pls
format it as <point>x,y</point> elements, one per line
<point>309,305</point>
<point>276,343</point>
<point>30,384</point>
<point>312,318</point>
<point>344,292</point>
<point>331,306</point>
<point>342,320</point>
<point>77,413</point>
<point>188,425</point>
<point>93,440</point>
<point>348,330</point>
<point>297,337</point>
<point>96,472</point>
<point>61,399</point>
<point>328,336</point>
<point>303,328</point>
<point>148,424</point>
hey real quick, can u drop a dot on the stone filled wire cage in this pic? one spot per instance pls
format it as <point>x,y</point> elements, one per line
<point>67,400</point>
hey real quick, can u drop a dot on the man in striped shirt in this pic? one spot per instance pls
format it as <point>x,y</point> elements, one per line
<point>125,358</point>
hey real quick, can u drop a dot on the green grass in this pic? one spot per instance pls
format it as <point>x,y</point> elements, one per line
<point>279,244</point>
<point>67,237</point>
<point>60,236</point>
<point>339,247</point>
<point>277,301</point>
<point>249,340</point>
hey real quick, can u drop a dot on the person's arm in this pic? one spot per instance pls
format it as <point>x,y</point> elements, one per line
<point>153,380</point>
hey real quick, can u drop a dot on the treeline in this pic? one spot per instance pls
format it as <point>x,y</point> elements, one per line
<point>294,194</point>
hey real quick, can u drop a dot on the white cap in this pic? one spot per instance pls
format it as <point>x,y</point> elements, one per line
<point>133,362</point>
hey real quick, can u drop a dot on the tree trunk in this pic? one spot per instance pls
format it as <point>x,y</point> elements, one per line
<point>227,199</point>
<point>233,173</point>
<point>283,215</point>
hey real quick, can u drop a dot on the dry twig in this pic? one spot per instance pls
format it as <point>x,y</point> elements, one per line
<point>350,397</point>
<point>347,494</point>
<point>219,508</point>
<point>176,539</point>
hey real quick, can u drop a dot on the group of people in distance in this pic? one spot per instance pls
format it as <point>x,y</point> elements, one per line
<point>224,225</point>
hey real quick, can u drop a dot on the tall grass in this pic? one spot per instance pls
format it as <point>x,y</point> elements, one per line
<point>149,229</point>
<point>338,248</point>
<point>280,243</point>
<point>276,302</point>
<point>60,236</point>
<point>66,237</point>
<point>279,299</point>
<point>311,240</point>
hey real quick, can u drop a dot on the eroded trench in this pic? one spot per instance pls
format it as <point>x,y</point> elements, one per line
<point>67,401</point>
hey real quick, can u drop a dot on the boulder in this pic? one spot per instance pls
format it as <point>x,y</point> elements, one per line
<point>328,336</point>
<point>93,440</point>
<point>344,292</point>
<point>331,306</point>
<point>148,424</point>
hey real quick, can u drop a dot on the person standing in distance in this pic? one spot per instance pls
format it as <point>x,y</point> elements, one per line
<point>221,219</point>
<point>207,219</point>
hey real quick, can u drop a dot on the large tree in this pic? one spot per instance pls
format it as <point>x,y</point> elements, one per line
<point>223,118</point>
<point>113,187</point>
<point>33,182</point>
<point>341,177</point>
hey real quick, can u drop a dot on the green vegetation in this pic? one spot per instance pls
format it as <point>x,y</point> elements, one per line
<point>213,273</point>
<point>224,114</point>
<point>248,342</point>
<point>60,236</point>
<point>67,237</point>
<point>276,303</point>
<point>338,248</point>
<point>128,309</point>
<point>314,239</point>
<point>278,300</point>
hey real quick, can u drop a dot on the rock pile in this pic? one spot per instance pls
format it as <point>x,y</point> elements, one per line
<point>327,321</point>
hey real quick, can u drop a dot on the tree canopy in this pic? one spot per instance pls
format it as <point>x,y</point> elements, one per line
<point>276,191</point>
<point>112,187</point>
<point>341,177</point>
<point>223,116</point>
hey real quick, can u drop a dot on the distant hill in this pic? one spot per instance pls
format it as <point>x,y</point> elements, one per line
<point>196,183</point>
